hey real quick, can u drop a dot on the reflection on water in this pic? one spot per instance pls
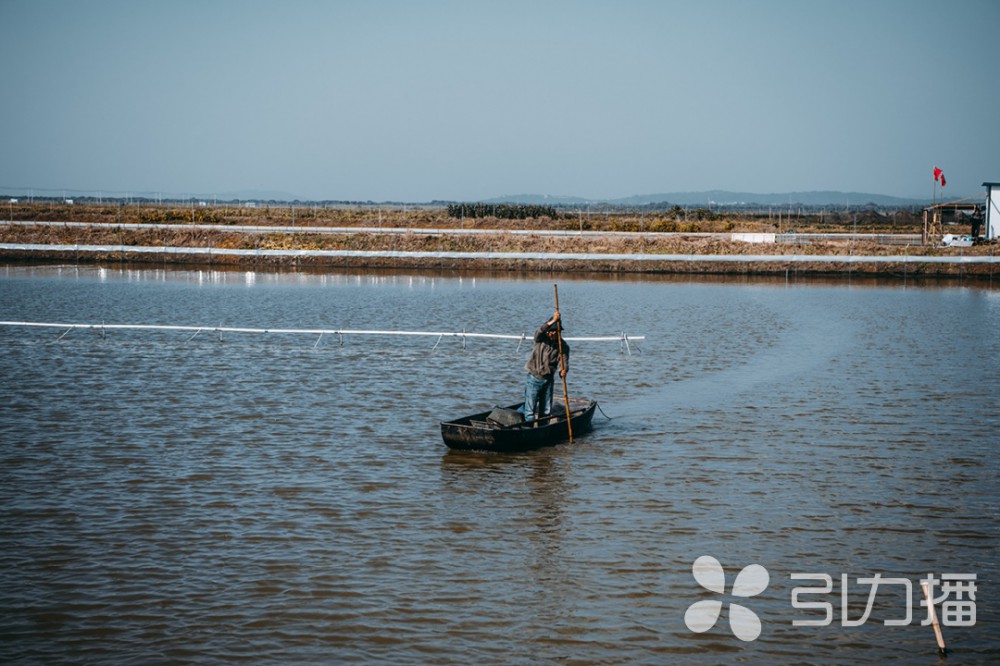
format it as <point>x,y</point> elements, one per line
<point>167,498</point>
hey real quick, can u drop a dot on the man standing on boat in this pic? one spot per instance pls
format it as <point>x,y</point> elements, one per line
<point>542,366</point>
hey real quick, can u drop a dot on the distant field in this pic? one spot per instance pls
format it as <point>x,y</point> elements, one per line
<point>180,232</point>
<point>678,220</point>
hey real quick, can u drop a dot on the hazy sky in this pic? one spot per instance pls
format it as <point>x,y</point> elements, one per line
<point>465,100</point>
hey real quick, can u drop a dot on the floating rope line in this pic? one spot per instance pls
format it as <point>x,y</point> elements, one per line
<point>103,327</point>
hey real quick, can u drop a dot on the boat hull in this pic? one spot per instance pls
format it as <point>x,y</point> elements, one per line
<point>474,433</point>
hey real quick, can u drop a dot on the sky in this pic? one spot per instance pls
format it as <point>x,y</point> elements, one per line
<point>382,100</point>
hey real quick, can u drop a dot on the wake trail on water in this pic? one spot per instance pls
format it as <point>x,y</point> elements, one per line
<point>811,341</point>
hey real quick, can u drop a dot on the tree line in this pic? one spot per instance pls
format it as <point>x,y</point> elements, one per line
<point>501,211</point>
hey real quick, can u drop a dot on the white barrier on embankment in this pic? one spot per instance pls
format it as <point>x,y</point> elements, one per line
<point>787,237</point>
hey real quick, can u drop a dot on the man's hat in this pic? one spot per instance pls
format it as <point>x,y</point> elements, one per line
<point>556,326</point>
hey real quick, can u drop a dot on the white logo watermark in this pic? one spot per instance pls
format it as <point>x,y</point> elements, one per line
<point>702,615</point>
<point>957,599</point>
<point>953,593</point>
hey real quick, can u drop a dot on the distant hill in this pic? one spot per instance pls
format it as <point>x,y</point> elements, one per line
<point>260,195</point>
<point>813,198</point>
<point>704,199</point>
<point>541,200</point>
<point>724,198</point>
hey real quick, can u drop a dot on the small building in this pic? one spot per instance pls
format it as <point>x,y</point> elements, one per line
<point>992,225</point>
<point>950,214</point>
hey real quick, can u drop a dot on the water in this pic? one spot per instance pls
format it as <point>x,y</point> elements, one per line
<point>286,499</point>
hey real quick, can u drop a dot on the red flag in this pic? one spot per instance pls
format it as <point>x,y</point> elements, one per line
<point>942,180</point>
<point>938,174</point>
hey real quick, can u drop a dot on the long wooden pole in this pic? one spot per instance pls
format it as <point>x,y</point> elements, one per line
<point>562,365</point>
<point>934,621</point>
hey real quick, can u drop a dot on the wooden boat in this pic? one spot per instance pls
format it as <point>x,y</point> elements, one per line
<point>480,433</point>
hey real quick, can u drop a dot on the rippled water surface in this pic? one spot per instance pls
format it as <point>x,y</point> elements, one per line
<point>287,498</point>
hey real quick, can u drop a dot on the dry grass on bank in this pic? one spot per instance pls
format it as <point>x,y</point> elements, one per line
<point>425,242</point>
<point>679,220</point>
